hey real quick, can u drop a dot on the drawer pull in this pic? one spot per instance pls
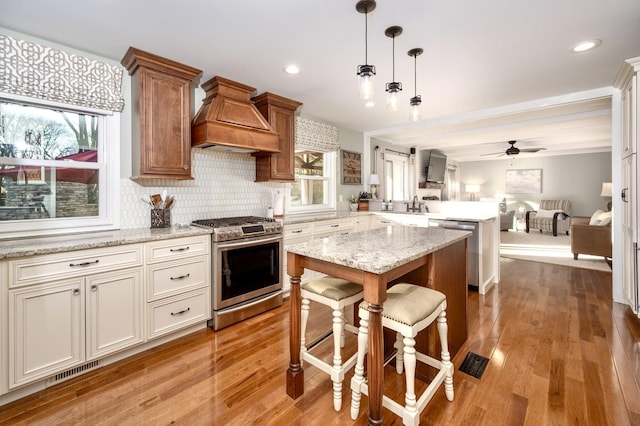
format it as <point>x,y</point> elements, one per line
<point>335,226</point>
<point>179,249</point>
<point>173,314</point>
<point>181,277</point>
<point>84,263</point>
<point>296,231</point>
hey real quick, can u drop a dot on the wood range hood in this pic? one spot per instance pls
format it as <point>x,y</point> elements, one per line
<point>228,120</point>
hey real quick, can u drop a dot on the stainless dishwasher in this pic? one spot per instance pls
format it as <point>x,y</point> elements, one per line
<point>473,245</point>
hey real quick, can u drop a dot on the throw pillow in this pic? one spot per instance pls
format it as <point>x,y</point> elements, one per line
<point>547,214</point>
<point>604,219</point>
<point>595,217</point>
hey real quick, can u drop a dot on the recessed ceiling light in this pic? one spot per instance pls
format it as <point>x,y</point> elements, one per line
<point>370,104</point>
<point>583,46</point>
<point>292,69</point>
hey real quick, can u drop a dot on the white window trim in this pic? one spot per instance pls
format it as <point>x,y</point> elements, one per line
<point>109,172</point>
<point>330,159</point>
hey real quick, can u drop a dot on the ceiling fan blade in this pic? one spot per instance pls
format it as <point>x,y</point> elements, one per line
<point>492,153</point>
<point>532,149</point>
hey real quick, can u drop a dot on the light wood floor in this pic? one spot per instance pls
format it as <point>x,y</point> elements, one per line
<point>560,353</point>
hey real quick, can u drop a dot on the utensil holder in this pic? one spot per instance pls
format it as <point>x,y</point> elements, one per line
<point>160,218</point>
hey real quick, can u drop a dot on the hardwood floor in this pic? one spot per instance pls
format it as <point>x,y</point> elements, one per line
<point>560,353</point>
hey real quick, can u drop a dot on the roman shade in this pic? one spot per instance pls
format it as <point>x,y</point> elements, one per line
<point>315,135</point>
<point>37,71</point>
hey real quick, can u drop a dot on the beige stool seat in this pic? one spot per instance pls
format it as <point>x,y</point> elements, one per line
<point>408,310</point>
<point>335,293</point>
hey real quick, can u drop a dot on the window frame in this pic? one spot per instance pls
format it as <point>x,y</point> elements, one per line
<point>330,170</point>
<point>108,166</point>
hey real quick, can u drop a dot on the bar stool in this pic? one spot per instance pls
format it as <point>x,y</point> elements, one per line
<point>408,310</point>
<point>335,293</point>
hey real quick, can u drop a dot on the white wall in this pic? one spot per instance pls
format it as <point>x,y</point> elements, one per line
<point>574,177</point>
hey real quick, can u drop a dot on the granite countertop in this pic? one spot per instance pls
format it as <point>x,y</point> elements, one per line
<point>68,242</point>
<point>290,220</point>
<point>379,250</point>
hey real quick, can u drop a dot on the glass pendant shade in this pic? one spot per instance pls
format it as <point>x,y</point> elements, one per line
<point>415,102</point>
<point>393,98</point>
<point>366,80</point>
<point>415,112</point>
<point>366,71</point>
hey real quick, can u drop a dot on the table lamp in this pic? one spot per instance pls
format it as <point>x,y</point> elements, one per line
<point>472,189</point>
<point>606,192</point>
<point>374,181</point>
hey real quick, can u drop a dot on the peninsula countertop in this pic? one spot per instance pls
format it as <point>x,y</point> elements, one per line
<point>379,250</point>
<point>60,243</point>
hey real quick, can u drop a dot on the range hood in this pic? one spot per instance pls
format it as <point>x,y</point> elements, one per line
<point>228,120</point>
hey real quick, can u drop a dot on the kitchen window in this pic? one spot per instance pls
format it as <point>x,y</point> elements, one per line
<point>314,187</point>
<point>54,170</point>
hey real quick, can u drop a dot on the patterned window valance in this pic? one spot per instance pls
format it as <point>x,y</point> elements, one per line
<point>37,71</point>
<point>315,135</point>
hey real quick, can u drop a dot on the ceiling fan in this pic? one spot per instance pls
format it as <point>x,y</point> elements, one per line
<point>514,150</point>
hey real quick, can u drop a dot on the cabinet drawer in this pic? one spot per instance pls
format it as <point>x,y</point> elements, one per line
<point>332,226</point>
<point>49,267</point>
<point>162,251</point>
<point>169,279</point>
<point>299,230</point>
<point>171,314</point>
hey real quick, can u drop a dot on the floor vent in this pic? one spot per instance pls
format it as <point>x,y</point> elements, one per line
<point>474,365</point>
<point>65,375</point>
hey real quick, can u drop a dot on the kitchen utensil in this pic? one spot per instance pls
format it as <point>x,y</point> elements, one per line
<point>156,199</point>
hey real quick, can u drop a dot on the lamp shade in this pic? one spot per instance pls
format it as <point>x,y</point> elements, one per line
<point>606,189</point>
<point>374,180</point>
<point>472,188</point>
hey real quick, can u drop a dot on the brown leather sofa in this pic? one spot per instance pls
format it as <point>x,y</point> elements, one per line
<point>590,239</point>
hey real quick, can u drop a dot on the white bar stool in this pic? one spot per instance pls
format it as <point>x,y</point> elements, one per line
<point>335,293</point>
<point>408,310</point>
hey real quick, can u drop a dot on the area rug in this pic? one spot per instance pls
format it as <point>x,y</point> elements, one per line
<point>546,248</point>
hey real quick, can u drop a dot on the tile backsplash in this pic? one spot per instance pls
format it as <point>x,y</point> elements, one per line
<point>223,185</point>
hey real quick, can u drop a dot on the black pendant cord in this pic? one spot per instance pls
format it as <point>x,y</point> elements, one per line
<point>366,37</point>
<point>393,59</point>
<point>415,75</point>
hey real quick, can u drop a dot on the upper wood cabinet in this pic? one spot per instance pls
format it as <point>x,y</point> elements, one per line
<point>161,123</point>
<point>280,112</point>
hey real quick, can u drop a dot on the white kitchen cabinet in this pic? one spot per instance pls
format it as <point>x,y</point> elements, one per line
<point>113,311</point>
<point>381,220</point>
<point>86,307</point>
<point>46,330</point>
<point>294,233</point>
<point>56,326</point>
<point>178,284</point>
<point>361,223</point>
<point>326,228</point>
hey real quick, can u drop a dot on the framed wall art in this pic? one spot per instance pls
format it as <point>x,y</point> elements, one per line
<point>523,181</point>
<point>351,167</point>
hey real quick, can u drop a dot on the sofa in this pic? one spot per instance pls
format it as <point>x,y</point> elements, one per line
<point>594,239</point>
<point>553,216</point>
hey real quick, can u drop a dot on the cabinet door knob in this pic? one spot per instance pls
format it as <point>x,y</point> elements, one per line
<point>186,167</point>
<point>94,288</point>
<point>76,291</point>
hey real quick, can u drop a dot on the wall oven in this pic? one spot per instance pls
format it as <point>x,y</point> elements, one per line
<point>246,266</point>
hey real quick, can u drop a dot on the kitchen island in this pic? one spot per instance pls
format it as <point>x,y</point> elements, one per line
<point>378,258</point>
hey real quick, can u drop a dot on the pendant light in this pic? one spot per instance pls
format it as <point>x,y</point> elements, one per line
<point>393,88</point>
<point>366,71</point>
<point>416,100</point>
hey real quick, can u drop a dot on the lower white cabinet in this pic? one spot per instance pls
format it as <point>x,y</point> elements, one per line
<point>56,326</point>
<point>46,330</point>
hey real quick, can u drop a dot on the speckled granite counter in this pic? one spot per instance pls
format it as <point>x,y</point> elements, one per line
<point>68,242</point>
<point>379,250</point>
<point>289,220</point>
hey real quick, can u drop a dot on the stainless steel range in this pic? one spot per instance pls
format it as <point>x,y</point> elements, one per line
<point>247,271</point>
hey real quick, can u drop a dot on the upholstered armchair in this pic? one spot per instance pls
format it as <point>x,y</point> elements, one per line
<point>553,216</point>
<point>506,220</point>
<point>590,239</point>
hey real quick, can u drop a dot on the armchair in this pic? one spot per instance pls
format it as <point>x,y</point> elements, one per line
<point>590,239</point>
<point>506,220</point>
<point>553,216</point>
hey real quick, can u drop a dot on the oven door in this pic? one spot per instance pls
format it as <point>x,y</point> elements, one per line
<point>246,269</point>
